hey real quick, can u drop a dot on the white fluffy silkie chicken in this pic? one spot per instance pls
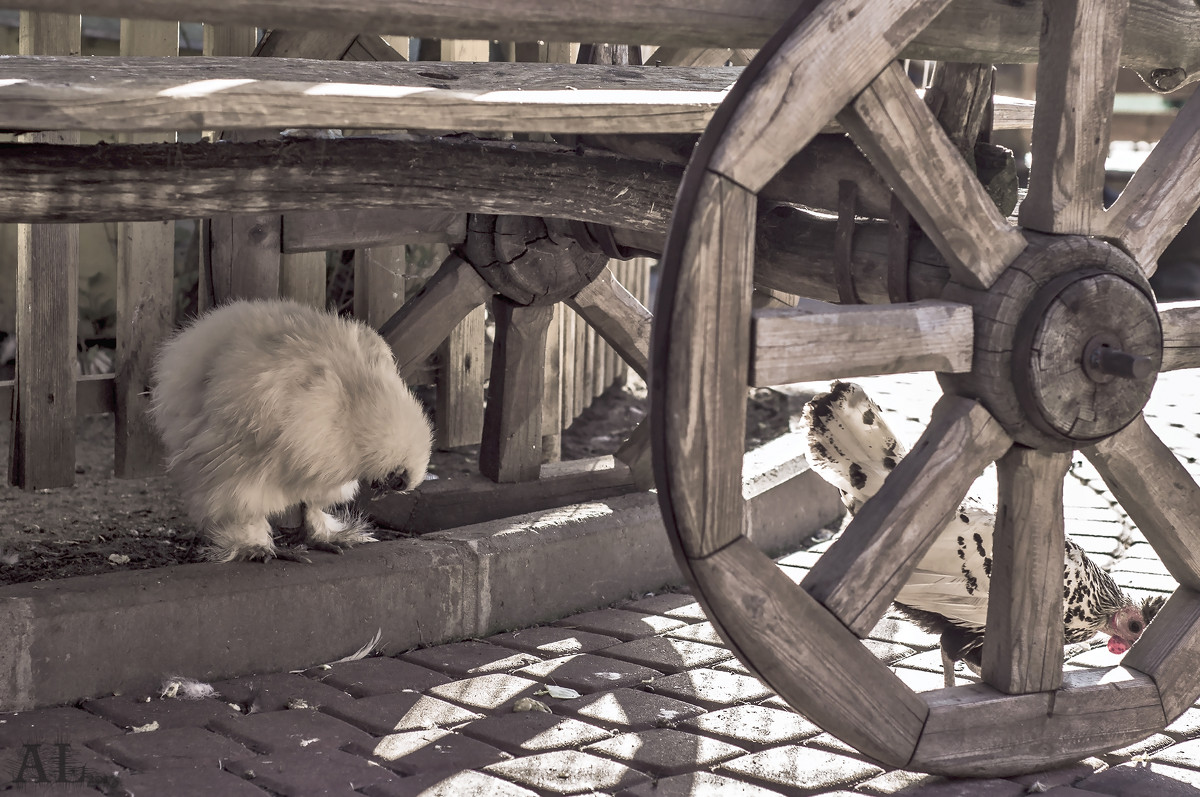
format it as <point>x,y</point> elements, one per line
<point>268,405</point>
<point>851,446</point>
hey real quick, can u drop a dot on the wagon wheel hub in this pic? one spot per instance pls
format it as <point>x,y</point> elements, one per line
<point>1067,343</point>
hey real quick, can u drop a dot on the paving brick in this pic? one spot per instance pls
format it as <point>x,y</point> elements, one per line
<point>282,731</point>
<point>753,727</point>
<point>794,769</point>
<point>804,559</point>
<point>63,724</point>
<point>1143,780</point>
<point>188,783</point>
<point>887,652</point>
<point>668,604</point>
<point>462,659</point>
<point>174,748</point>
<point>568,772</point>
<point>904,632</point>
<point>129,712</point>
<point>1187,725</point>
<point>622,624</point>
<point>971,787</point>
<point>1184,754</point>
<point>698,632</point>
<point>662,751</point>
<point>466,783</point>
<point>492,693</point>
<point>732,665</point>
<point>524,732</point>
<point>377,676</point>
<point>1147,746</point>
<point>710,688</point>
<point>922,681</point>
<point>1061,776</point>
<point>668,655</point>
<point>628,709</point>
<point>429,751</point>
<point>587,672</point>
<point>1097,656</point>
<point>1152,582</point>
<point>1153,566</point>
<point>301,773</point>
<point>401,711</point>
<point>896,781</point>
<point>548,641</point>
<point>279,691</point>
<point>829,742</point>
<point>42,765</point>
<point>697,784</point>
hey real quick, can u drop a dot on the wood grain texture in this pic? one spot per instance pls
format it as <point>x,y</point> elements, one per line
<point>906,144</point>
<point>511,450</point>
<point>313,231</point>
<point>783,109</point>
<point>1163,34</point>
<point>704,382</point>
<point>1023,649</point>
<point>959,98</point>
<point>42,445</point>
<point>1169,652</point>
<point>302,278</point>
<point>863,570</point>
<point>1076,81</point>
<point>1162,194</point>
<point>379,274</point>
<point>802,652</point>
<point>618,317</point>
<point>94,395</point>
<point>976,731</point>
<point>145,290</point>
<point>243,256</point>
<point>1159,494</point>
<point>817,341</point>
<point>1181,335</point>
<point>417,329</point>
<point>552,401</point>
<point>460,381</point>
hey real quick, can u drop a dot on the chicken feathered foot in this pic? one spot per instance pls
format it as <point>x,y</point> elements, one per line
<point>947,668</point>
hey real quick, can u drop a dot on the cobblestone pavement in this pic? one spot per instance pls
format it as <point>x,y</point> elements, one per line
<point>640,699</point>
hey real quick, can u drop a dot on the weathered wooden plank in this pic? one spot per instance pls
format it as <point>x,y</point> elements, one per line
<point>863,570</point>
<point>145,290</point>
<point>1076,82</point>
<point>380,283</point>
<point>42,446</point>
<point>1159,494</point>
<point>958,98</point>
<point>311,231</point>
<point>781,110</point>
<point>570,407</point>
<point>377,48</point>
<point>1023,649</point>
<point>1181,335</point>
<point>416,330</point>
<point>460,378</point>
<point>95,394</point>
<point>705,378</point>
<point>1169,652</point>
<point>802,652</point>
<point>635,453</point>
<point>618,317</point>
<point>225,40</point>
<point>1163,34</point>
<point>817,341</point>
<point>241,257</point>
<point>302,278</point>
<point>1163,193</point>
<point>906,144</point>
<point>463,499</point>
<point>976,731</point>
<point>511,449</point>
<point>552,399</point>
<point>324,44</point>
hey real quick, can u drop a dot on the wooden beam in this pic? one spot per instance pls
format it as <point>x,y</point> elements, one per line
<point>969,30</point>
<point>42,446</point>
<point>1169,652</point>
<point>817,341</point>
<point>302,278</point>
<point>312,231</point>
<point>618,317</point>
<point>1181,335</point>
<point>95,394</point>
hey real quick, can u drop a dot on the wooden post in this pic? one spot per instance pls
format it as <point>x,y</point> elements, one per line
<point>552,409</point>
<point>511,450</point>
<point>43,437</point>
<point>379,282</point>
<point>302,278</point>
<point>145,289</point>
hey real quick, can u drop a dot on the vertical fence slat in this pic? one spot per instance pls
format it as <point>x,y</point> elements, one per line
<point>145,288</point>
<point>42,450</point>
<point>380,271</point>
<point>302,278</point>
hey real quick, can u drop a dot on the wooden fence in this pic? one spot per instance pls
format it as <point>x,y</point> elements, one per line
<point>258,255</point>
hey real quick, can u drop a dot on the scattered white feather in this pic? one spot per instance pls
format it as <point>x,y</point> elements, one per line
<point>186,689</point>
<point>147,728</point>
<point>364,651</point>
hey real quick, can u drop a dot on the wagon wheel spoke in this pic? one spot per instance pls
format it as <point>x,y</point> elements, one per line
<point>1181,335</point>
<point>1076,82</point>
<point>1023,649</point>
<point>860,574</point>
<point>618,317</point>
<point>1163,194</point>
<point>782,112</point>
<point>1159,494</point>
<point>816,341</point>
<point>428,318</point>
<point>904,141</point>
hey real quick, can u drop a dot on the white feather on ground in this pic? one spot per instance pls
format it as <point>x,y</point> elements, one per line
<point>267,405</point>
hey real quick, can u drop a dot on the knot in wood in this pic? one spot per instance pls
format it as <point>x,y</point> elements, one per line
<point>529,260</point>
<point>1068,343</point>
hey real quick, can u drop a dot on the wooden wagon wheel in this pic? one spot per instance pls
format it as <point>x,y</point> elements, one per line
<point>1066,346</point>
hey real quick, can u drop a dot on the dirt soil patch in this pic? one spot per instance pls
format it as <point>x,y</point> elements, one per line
<point>103,524</point>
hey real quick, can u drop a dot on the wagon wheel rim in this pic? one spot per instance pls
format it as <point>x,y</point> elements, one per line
<point>803,640</point>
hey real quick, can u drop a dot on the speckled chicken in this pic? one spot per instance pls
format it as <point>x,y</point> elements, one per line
<point>851,446</point>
